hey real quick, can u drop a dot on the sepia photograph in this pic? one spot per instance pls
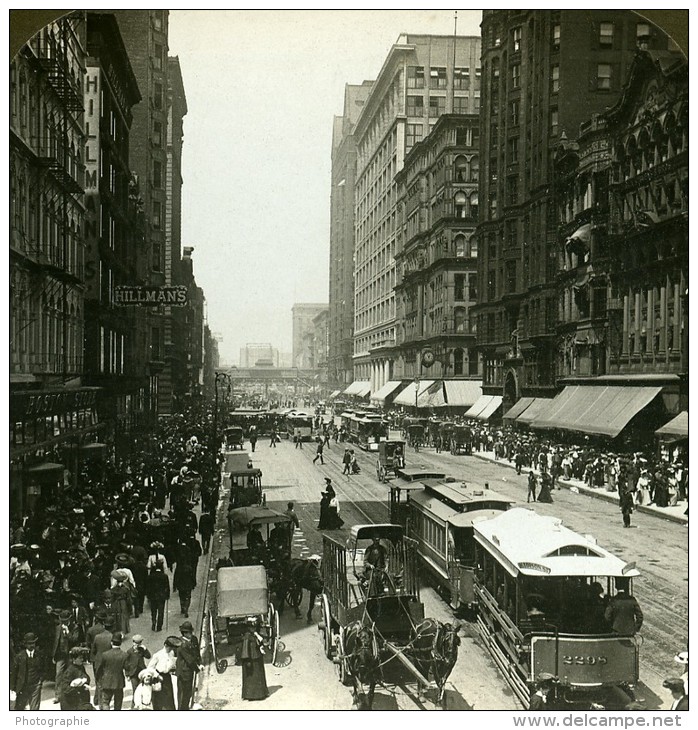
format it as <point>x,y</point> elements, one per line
<point>348,361</point>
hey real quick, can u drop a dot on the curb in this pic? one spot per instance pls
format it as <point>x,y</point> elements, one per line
<point>597,494</point>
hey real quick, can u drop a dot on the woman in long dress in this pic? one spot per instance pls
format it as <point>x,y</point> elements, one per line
<point>164,663</point>
<point>324,524</point>
<point>254,681</point>
<point>121,595</point>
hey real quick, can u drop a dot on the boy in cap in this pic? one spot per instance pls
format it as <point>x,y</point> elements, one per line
<point>136,657</point>
<point>679,698</point>
<point>26,675</point>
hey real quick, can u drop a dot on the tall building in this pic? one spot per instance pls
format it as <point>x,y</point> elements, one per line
<point>52,414</point>
<point>114,335</point>
<point>437,266</point>
<point>303,315</point>
<point>422,78</point>
<point>145,37</point>
<point>258,352</point>
<point>341,305</point>
<point>188,324</point>
<point>544,73</point>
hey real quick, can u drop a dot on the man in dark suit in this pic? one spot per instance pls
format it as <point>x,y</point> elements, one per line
<point>678,693</point>
<point>206,528</point>
<point>623,612</point>
<point>96,628</point>
<point>158,591</point>
<point>80,616</point>
<point>109,672</point>
<point>100,644</point>
<point>26,675</point>
<point>188,665</point>
<point>67,635</point>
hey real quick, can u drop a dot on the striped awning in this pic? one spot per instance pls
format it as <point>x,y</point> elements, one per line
<point>360,388</point>
<point>490,409</point>
<point>408,396</point>
<point>517,409</point>
<point>534,410</point>
<point>382,394</point>
<point>478,406</point>
<point>676,428</point>
<point>432,397</point>
<point>462,393</point>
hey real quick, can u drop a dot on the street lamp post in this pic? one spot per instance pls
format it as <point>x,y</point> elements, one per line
<point>224,378</point>
<point>416,394</point>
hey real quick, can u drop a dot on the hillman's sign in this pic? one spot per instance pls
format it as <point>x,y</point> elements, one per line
<point>150,296</point>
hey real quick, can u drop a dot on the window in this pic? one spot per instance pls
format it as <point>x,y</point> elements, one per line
<point>603,76</point>
<point>475,169</point>
<point>478,73</point>
<point>556,36</point>
<point>510,268</point>
<point>460,105</point>
<point>459,287</point>
<point>460,317</point>
<point>513,150</point>
<point>514,108</point>
<point>460,200</point>
<point>472,278</point>
<point>555,79</point>
<point>476,104</point>
<point>458,361</point>
<point>157,174</point>
<point>492,284</point>
<point>464,137</point>
<point>437,106</point>
<point>414,134</point>
<point>415,106</point>
<point>438,78</point>
<point>643,34</point>
<point>157,214</point>
<point>157,133</point>
<point>157,19</point>
<point>459,244</point>
<point>516,39</point>
<point>460,169</point>
<point>512,190</point>
<point>516,75</point>
<point>461,78</point>
<point>554,119</point>
<point>606,35</point>
<point>474,207</point>
<point>157,56</point>
<point>415,77</point>
<point>157,96</point>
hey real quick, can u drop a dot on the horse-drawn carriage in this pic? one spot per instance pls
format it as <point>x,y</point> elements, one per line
<point>245,480</point>
<point>462,440</point>
<point>234,438</point>
<point>372,613</point>
<point>415,435</point>
<point>391,457</point>
<point>246,547</point>
<point>242,602</point>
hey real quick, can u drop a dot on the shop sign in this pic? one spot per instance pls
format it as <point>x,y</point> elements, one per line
<point>44,403</point>
<point>150,296</point>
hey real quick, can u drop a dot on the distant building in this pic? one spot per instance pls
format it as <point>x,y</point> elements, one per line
<point>423,78</point>
<point>341,306</point>
<point>303,315</point>
<point>254,352</point>
<point>188,333</point>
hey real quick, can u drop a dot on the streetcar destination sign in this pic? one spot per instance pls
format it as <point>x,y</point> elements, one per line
<point>150,296</point>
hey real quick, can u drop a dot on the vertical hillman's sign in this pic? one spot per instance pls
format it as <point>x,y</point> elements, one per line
<point>150,296</point>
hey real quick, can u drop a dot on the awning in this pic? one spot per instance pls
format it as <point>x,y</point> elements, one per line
<point>534,410</point>
<point>581,236</point>
<point>603,410</point>
<point>678,426</point>
<point>335,393</point>
<point>382,394</point>
<point>360,388</point>
<point>45,468</point>
<point>462,393</point>
<point>517,409</point>
<point>478,406</point>
<point>407,396</point>
<point>490,409</point>
<point>432,397</point>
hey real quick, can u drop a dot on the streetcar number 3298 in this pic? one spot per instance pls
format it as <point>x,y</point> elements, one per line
<point>584,660</point>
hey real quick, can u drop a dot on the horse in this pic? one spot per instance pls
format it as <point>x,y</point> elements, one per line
<point>435,650</point>
<point>303,574</point>
<point>362,663</point>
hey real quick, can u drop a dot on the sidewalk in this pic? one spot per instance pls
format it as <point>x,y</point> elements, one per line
<point>673,514</point>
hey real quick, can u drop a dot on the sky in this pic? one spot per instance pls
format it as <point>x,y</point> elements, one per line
<point>262,89</point>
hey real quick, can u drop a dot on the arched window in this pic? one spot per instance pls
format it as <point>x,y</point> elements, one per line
<point>474,205</point>
<point>460,316</point>
<point>460,169</point>
<point>474,168</point>
<point>459,243</point>
<point>645,149</point>
<point>473,243</point>
<point>23,102</point>
<point>458,361</point>
<point>459,204</point>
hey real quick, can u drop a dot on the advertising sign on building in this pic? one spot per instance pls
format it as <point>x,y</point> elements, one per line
<point>150,296</point>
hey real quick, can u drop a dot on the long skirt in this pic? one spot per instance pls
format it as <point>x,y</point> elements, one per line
<point>164,699</point>
<point>254,680</point>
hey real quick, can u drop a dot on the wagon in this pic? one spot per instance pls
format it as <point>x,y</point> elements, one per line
<point>234,438</point>
<point>242,597</point>
<point>462,440</point>
<point>241,520</point>
<point>245,480</point>
<point>415,435</point>
<point>391,457</point>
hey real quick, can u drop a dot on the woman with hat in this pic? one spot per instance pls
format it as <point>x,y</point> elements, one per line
<point>74,686</point>
<point>679,698</point>
<point>254,681</point>
<point>325,497</point>
<point>164,662</point>
<point>121,595</point>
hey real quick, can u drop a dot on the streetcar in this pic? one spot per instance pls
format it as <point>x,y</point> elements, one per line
<point>299,424</point>
<point>540,609</point>
<point>367,431</point>
<point>439,515</point>
<point>245,418</point>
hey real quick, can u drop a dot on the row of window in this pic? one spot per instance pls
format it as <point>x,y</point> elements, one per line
<point>363,344</point>
<point>438,77</point>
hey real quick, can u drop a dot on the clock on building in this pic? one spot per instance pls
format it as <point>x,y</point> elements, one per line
<point>428,358</point>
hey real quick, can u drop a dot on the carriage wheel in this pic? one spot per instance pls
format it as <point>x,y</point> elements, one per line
<point>221,664</point>
<point>327,621</point>
<point>294,596</point>
<point>274,633</point>
<point>344,675</point>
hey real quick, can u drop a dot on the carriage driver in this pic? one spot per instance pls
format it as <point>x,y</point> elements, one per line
<point>375,561</point>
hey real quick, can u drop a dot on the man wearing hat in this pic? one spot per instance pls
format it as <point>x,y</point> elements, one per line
<point>100,644</point>
<point>136,658</point>
<point>157,589</point>
<point>346,460</point>
<point>109,672</point>
<point>679,698</point>
<point>682,659</point>
<point>188,665</point>
<point>544,696</point>
<point>65,638</point>
<point>26,675</point>
<point>623,612</point>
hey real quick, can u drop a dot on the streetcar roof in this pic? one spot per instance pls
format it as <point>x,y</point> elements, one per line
<point>419,473</point>
<point>465,494</point>
<point>468,519</point>
<point>433,505</point>
<point>527,543</point>
<point>384,530</point>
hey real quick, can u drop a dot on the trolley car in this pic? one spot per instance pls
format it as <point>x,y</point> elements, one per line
<point>367,430</point>
<point>242,597</point>
<point>299,425</point>
<point>461,440</point>
<point>537,588</point>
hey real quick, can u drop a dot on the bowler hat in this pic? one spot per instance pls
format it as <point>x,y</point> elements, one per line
<point>29,638</point>
<point>675,684</point>
<point>186,626</point>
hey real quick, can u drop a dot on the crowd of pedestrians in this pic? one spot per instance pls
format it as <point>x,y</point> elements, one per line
<point>83,564</point>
